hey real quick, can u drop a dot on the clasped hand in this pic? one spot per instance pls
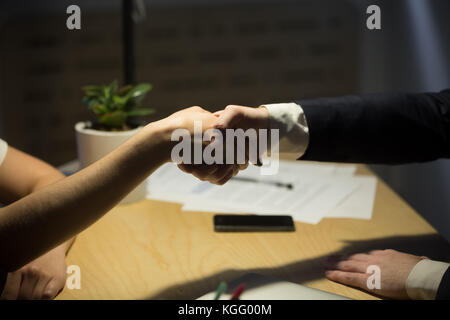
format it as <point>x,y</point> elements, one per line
<point>232,117</point>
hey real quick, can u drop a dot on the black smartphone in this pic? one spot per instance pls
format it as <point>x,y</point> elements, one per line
<point>252,223</point>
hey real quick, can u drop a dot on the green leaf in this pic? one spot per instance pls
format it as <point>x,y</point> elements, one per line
<point>91,103</point>
<point>124,90</point>
<point>139,90</point>
<point>136,95</point>
<point>92,91</point>
<point>113,87</point>
<point>86,100</point>
<point>92,88</point>
<point>114,119</point>
<point>113,104</point>
<point>140,112</point>
<point>99,109</point>
<point>120,101</point>
<point>103,100</point>
<point>108,92</point>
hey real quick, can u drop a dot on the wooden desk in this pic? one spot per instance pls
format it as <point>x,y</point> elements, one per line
<point>154,250</point>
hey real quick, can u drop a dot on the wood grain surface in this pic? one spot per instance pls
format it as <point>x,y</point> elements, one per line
<point>153,250</point>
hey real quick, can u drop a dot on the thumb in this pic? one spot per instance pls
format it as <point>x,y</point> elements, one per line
<point>227,118</point>
<point>52,289</point>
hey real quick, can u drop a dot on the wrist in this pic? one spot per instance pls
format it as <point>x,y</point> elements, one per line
<point>157,135</point>
<point>263,118</point>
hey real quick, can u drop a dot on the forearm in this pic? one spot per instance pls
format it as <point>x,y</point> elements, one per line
<point>50,176</point>
<point>46,179</point>
<point>51,215</point>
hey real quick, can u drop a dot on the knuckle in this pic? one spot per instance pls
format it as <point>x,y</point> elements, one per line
<point>32,271</point>
<point>201,175</point>
<point>232,108</point>
<point>198,108</point>
<point>50,292</point>
<point>50,287</point>
<point>347,277</point>
<point>193,108</point>
<point>216,176</point>
<point>185,168</point>
<point>335,275</point>
<point>226,177</point>
<point>47,295</point>
<point>343,264</point>
<point>53,289</point>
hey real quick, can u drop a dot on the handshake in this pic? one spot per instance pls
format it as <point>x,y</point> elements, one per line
<point>214,147</point>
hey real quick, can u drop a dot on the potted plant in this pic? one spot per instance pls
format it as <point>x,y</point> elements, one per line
<point>114,107</point>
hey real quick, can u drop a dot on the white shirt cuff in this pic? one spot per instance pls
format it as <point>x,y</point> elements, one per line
<point>424,279</point>
<point>290,120</point>
<point>3,150</point>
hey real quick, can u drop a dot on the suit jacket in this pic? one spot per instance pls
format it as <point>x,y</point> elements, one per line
<point>380,128</point>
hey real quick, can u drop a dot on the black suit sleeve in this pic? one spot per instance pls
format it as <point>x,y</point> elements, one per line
<point>444,287</point>
<point>379,128</point>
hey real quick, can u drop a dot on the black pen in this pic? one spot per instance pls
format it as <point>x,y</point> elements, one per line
<point>275,183</point>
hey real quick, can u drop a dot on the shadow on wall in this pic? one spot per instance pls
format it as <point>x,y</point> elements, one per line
<point>432,246</point>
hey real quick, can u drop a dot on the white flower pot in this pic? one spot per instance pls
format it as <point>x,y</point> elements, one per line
<point>95,144</point>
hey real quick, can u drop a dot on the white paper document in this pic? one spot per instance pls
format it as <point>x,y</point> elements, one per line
<point>308,192</point>
<point>259,287</point>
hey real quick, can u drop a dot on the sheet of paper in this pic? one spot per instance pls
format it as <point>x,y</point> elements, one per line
<point>329,196</point>
<point>357,205</point>
<point>320,190</point>
<point>259,287</point>
<point>360,203</point>
<point>309,201</point>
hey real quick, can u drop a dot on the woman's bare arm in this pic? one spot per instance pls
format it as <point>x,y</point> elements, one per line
<point>51,215</point>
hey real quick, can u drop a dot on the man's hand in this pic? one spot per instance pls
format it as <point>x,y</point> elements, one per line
<point>42,278</point>
<point>232,117</point>
<point>395,268</point>
<point>217,173</point>
<point>240,117</point>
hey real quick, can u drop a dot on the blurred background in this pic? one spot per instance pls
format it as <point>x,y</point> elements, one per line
<point>214,53</point>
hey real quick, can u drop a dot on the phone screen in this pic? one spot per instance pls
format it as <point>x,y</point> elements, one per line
<point>252,223</point>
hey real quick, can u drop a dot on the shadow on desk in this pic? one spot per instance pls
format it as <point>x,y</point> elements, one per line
<point>432,246</point>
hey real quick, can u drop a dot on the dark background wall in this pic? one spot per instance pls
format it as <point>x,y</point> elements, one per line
<point>212,53</point>
<point>411,54</point>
